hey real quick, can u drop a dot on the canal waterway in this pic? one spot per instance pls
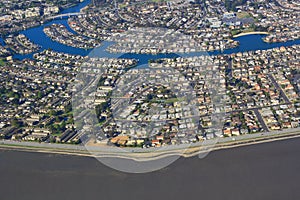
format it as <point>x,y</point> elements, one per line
<point>36,34</point>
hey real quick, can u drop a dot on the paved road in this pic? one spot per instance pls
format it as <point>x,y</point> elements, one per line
<point>229,68</point>
<point>286,99</point>
<point>278,3</point>
<point>164,151</point>
<point>261,120</point>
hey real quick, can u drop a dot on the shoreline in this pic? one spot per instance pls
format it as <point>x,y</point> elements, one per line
<point>250,33</point>
<point>188,152</point>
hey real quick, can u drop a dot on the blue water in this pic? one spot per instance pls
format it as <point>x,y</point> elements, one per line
<point>247,43</point>
<point>1,41</point>
<point>143,58</point>
<point>38,36</point>
<point>255,42</point>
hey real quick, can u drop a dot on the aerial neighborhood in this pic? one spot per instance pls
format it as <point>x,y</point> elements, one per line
<point>171,101</point>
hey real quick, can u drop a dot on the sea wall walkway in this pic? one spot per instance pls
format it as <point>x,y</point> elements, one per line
<point>251,33</point>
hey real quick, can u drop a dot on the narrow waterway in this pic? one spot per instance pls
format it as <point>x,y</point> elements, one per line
<point>247,43</point>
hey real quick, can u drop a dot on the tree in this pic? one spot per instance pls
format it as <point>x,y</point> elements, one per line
<point>16,123</point>
<point>39,95</point>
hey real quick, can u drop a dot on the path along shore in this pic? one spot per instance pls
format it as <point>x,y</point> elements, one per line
<point>154,155</point>
<point>250,33</point>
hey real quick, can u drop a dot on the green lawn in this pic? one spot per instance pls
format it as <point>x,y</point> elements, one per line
<point>2,62</point>
<point>173,100</point>
<point>242,15</point>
